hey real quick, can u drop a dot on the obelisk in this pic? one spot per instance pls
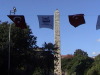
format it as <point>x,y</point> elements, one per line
<point>57,55</point>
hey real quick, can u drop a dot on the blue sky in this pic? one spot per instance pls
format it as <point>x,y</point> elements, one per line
<point>84,37</point>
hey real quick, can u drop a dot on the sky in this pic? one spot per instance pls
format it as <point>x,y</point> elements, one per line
<point>84,37</point>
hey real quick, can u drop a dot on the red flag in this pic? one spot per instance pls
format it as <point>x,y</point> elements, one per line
<point>19,20</point>
<point>76,20</point>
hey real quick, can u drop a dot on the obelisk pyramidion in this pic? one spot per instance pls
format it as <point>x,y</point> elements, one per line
<point>57,62</point>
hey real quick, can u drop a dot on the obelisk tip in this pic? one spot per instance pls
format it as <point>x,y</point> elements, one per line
<point>57,10</point>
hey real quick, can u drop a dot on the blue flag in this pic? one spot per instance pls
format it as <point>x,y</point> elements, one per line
<point>98,23</point>
<point>46,21</point>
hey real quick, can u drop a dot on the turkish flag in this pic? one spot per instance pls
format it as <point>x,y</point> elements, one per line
<point>77,19</point>
<point>19,20</point>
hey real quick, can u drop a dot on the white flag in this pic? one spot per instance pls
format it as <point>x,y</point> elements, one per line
<point>98,23</point>
<point>46,21</point>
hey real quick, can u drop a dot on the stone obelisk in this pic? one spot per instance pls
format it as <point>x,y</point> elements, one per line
<point>57,62</point>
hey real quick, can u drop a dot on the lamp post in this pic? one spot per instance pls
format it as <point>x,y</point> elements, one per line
<point>11,11</point>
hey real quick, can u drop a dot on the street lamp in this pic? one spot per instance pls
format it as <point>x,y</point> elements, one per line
<point>11,11</point>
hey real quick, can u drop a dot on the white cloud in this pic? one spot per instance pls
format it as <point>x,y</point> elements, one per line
<point>94,53</point>
<point>98,40</point>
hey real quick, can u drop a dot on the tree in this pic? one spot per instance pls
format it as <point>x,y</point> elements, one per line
<point>65,63</point>
<point>3,35</point>
<point>80,52</point>
<point>95,69</point>
<point>78,64</point>
<point>48,47</point>
<point>21,50</point>
<point>48,58</point>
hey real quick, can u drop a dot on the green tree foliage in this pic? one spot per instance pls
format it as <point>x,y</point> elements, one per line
<point>78,64</point>
<point>38,71</point>
<point>97,59</point>
<point>24,59</point>
<point>48,47</point>
<point>95,69</point>
<point>3,35</point>
<point>80,52</point>
<point>49,59</point>
<point>21,50</point>
<point>44,62</point>
<point>65,63</point>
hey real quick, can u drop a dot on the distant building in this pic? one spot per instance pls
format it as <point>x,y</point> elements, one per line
<point>67,56</point>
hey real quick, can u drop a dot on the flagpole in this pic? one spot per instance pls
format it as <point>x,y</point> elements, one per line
<point>11,11</point>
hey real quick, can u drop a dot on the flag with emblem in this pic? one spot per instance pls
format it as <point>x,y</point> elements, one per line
<point>46,21</point>
<point>98,23</point>
<point>19,21</point>
<point>76,20</point>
